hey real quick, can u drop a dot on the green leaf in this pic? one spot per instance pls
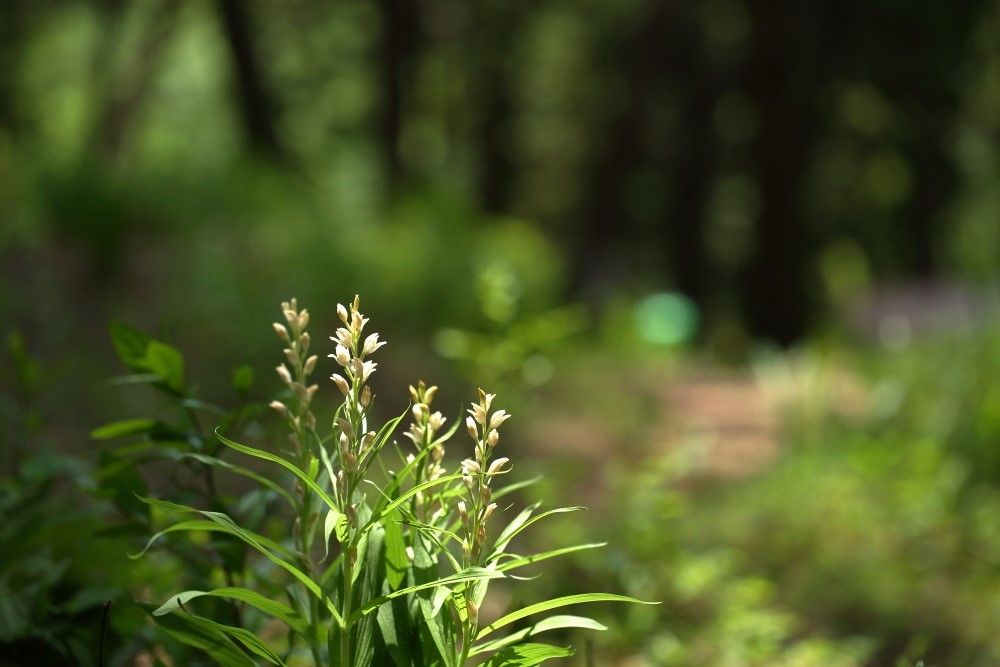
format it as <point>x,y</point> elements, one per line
<point>123,428</point>
<point>216,462</point>
<point>396,561</point>
<point>393,622</point>
<point>130,345</point>
<point>335,523</point>
<point>550,623</point>
<point>294,469</point>
<point>527,655</point>
<point>243,379</point>
<point>520,561</point>
<point>470,574</point>
<point>202,635</point>
<point>254,541</point>
<point>520,524</point>
<point>212,526</point>
<point>167,363</point>
<point>555,604</point>
<point>283,613</point>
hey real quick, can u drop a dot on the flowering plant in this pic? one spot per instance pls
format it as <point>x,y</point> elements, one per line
<point>390,573</point>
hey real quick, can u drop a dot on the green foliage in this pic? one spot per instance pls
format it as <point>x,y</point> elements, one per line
<point>414,560</point>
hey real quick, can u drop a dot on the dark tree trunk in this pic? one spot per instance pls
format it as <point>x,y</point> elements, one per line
<point>606,219</point>
<point>124,99</point>
<point>774,290</point>
<point>255,106</point>
<point>399,51</point>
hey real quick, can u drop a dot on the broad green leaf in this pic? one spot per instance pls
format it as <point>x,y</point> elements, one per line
<point>234,529</point>
<point>167,363</point>
<point>130,345</point>
<point>283,613</point>
<point>520,561</point>
<point>550,623</point>
<point>335,523</point>
<point>396,560</point>
<point>555,604</point>
<point>202,635</point>
<point>294,469</point>
<point>527,655</point>
<point>393,622</point>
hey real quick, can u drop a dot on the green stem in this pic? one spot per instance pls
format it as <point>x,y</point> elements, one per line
<point>345,641</point>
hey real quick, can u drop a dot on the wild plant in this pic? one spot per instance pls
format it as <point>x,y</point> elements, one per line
<point>385,563</point>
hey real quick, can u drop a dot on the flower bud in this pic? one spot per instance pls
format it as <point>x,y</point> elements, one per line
<point>497,465</point>
<point>429,394</point>
<point>414,396</point>
<point>283,373</point>
<point>485,494</point>
<point>351,462</point>
<point>342,313</point>
<point>304,341</point>
<point>489,510</point>
<point>303,320</point>
<point>463,513</point>
<point>292,357</point>
<point>341,383</point>
<point>281,331</point>
<point>310,365</point>
<point>345,427</point>
<point>499,417</point>
<point>470,467</point>
<point>472,610</point>
<point>478,413</point>
<point>493,438</point>
<point>366,397</point>
<point>343,355</point>
<point>471,425</point>
<point>368,440</point>
<point>280,407</point>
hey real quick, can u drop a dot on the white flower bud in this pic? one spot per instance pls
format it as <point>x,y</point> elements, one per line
<point>343,355</point>
<point>283,373</point>
<point>367,369</point>
<point>345,427</point>
<point>310,364</point>
<point>497,465</point>
<point>303,321</point>
<point>409,554</point>
<point>342,313</point>
<point>493,438</point>
<point>429,394</point>
<point>293,358</point>
<point>471,425</point>
<point>281,331</point>
<point>470,467</point>
<point>366,396</point>
<point>341,383</point>
<point>304,341</point>
<point>280,407</point>
<point>489,510</point>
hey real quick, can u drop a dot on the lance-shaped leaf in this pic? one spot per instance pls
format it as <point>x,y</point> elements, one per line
<point>470,574</point>
<point>550,623</point>
<point>527,655</point>
<point>211,526</point>
<point>294,469</point>
<point>555,604</point>
<point>521,561</point>
<point>283,613</point>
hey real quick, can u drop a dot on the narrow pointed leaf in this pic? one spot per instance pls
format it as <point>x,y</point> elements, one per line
<point>555,604</point>
<point>550,623</point>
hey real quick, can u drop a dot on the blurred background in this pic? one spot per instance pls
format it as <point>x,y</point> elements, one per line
<point>733,265</point>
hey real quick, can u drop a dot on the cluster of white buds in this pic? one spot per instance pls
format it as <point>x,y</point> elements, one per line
<point>478,473</point>
<point>424,427</point>
<point>295,374</point>
<point>354,440</point>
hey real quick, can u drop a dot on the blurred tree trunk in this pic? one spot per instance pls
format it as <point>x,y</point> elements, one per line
<point>255,105</point>
<point>495,25</point>
<point>605,217</point>
<point>124,96</point>
<point>795,50</point>
<point>399,53</point>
